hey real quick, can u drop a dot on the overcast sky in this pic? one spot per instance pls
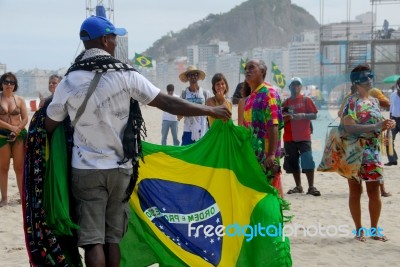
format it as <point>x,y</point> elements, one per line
<point>44,33</point>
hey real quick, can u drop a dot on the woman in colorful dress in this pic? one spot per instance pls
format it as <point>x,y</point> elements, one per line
<point>13,119</point>
<point>220,89</point>
<point>363,122</point>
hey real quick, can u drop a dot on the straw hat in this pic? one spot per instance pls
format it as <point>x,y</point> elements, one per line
<point>183,75</point>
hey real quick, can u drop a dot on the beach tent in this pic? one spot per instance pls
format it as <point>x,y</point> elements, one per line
<point>391,79</point>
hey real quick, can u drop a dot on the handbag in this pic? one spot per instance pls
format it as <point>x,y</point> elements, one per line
<point>343,153</point>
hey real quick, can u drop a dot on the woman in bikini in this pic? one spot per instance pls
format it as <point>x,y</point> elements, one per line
<point>220,89</point>
<point>13,119</point>
<point>363,122</point>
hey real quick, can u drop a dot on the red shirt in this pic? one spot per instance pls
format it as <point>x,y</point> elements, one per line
<point>298,130</point>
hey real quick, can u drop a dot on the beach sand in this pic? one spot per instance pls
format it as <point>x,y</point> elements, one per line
<point>328,212</point>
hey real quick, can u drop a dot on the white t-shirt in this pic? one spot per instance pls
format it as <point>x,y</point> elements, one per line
<point>196,124</point>
<point>168,116</point>
<point>99,131</point>
<point>395,104</point>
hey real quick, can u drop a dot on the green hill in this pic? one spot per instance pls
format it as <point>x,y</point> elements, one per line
<point>255,23</point>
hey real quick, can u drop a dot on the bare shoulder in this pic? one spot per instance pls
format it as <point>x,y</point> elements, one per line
<point>210,101</point>
<point>19,99</point>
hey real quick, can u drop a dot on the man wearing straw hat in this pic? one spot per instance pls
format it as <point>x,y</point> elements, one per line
<point>194,127</point>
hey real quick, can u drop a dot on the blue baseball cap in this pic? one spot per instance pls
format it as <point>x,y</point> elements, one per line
<point>96,26</point>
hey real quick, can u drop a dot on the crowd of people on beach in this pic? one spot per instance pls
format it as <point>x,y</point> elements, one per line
<point>281,130</point>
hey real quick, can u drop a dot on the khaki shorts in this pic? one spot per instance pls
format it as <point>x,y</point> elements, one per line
<point>100,212</point>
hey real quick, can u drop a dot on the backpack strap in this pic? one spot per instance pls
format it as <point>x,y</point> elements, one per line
<point>92,87</point>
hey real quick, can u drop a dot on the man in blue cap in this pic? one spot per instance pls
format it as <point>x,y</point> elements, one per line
<point>102,179</point>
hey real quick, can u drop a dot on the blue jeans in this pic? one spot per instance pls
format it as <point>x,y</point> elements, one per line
<point>187,139</point>
<point>166,125</point>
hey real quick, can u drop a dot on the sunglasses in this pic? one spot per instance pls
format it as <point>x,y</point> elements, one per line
<point>195,74</point>
<point>8,82</point>
<point>365,77</point>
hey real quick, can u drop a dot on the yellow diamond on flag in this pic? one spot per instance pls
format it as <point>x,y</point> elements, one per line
<point>143,61</point>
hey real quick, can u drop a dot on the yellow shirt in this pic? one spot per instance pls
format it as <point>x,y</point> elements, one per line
<point>383,100</point>
<point>214,104</point>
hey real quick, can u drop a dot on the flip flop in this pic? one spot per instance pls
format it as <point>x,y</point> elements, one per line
<point>386,194</point>
<point>360,238</point>
<point>313,191</point>
<point>382,238</point>
<point>295,190</point>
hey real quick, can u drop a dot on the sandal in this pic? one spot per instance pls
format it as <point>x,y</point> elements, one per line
<point>295,190</point>
<point>382,238</point>
<point>313,191</point>
<point>360,238</point>
<point>386,194</point>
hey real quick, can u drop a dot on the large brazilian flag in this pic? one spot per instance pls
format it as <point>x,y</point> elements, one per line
<point>206,204</point>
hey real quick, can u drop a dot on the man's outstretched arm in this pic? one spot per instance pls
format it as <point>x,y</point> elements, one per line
<point>177,106</point>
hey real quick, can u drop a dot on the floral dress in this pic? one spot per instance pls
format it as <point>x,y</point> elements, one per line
<point>367,112</point>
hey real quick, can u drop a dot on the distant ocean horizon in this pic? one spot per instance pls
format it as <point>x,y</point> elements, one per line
<point>320,127</point>
<point>325,118</point>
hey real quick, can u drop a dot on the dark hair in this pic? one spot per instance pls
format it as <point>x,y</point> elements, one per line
<point>170,87</point>
<point>398,82</point>
<point>217,78</point>
<point>55,76</point>
<point>245,90</point>
<point>5,76</point>
<point>353,89</point>
<point>357,73</point>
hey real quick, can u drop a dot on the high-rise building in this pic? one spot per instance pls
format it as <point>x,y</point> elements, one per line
<point>229,64</point>
<point>33,82</point>
<point>122,49</point>
<point>204,56</point>
<point>192,54</point>
<point>304,55</point>
<point>207,51</point>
